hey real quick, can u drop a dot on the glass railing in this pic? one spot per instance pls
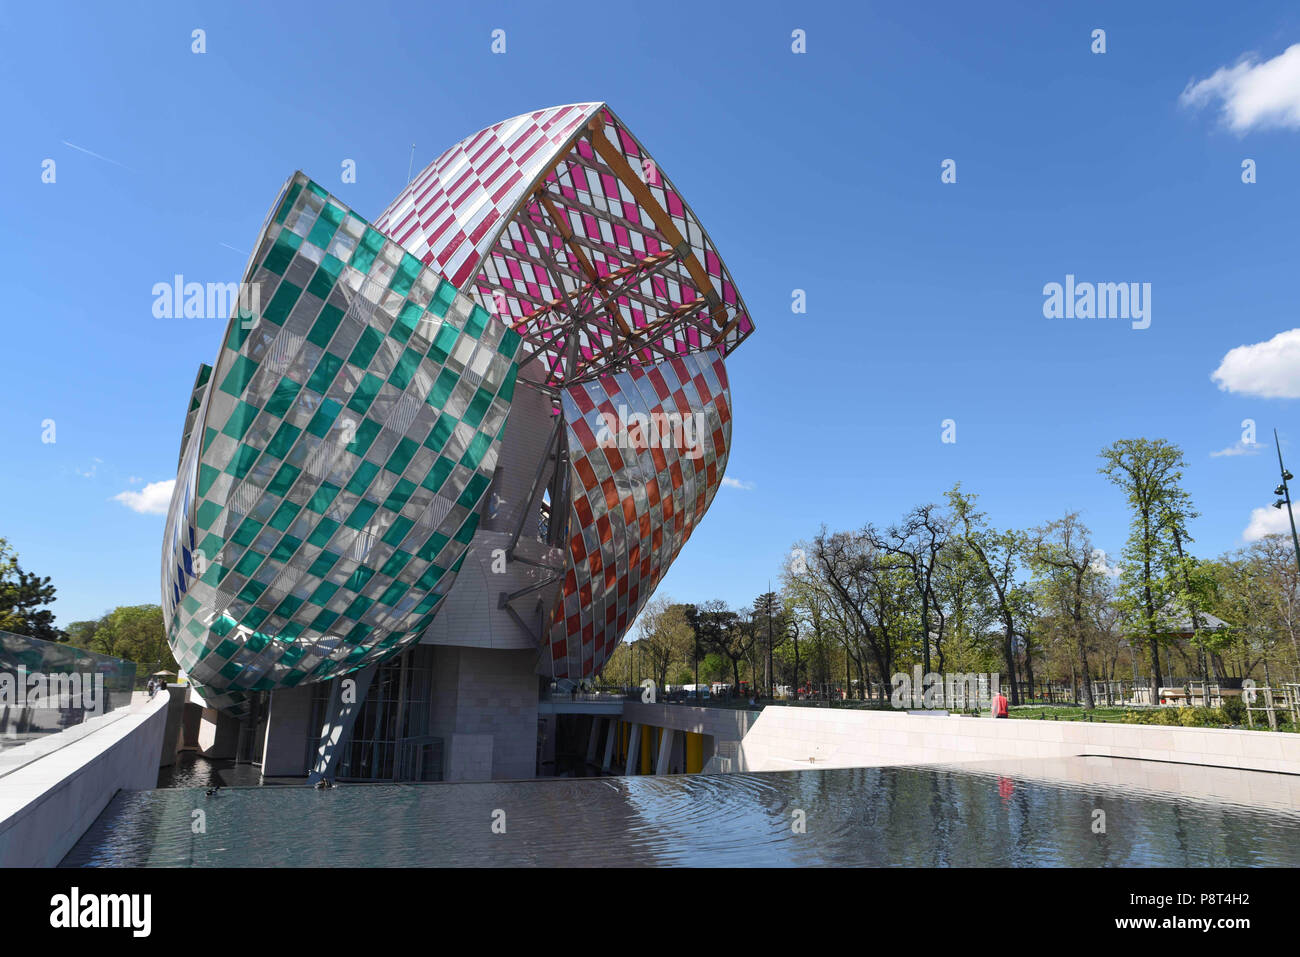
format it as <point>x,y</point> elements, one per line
<point>47,687</point>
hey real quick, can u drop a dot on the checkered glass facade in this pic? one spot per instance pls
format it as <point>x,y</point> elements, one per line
<point>332,477</point>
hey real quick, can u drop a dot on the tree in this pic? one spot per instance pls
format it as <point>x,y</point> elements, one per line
<point>135,633</point>
<point>1149,472</point>
<point>1065,566</point>
<point>22,600</point>
<point>666,636</point>
<point>997,555</point>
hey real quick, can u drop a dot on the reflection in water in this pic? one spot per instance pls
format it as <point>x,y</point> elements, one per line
<point>855,816</point>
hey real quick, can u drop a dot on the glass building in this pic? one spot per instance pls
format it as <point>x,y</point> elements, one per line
<point>450,453</point>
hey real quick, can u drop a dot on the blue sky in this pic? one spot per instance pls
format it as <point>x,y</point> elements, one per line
<point>817,171</point>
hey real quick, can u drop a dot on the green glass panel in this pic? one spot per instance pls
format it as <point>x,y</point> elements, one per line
<point>507,390</point>
<point>283,480</point>
<point>398,496</point>
<point>393,567</point>
<point>283,440</point>
<point>284,515</point>
<point>407,319</point>
<point>324,620</point>
<point>326,322</point>
<point>321,534</point>
<point>444,297</point>
<point>360,605</point>
<point>366,433</point>
<point>207,475</point>
<point>443,343</point>
<point>249,562</point>
<point>282,250</point>
<point>401,525</point>
<point>474,488</point>
<point>405,368</point>
<point>240,419</point>
<point>361,514</point>
<point>326,369</point>
<point>290,197</point>
<point>283,397</point>
<point>393,593</point>
<point>440,432</point>
<point>207,514</point>
<point>478,447</point>
<point>438,474</point>
<point>242,461</point>
<point>284,550</point>
<point>357,580</point>
<point>442,388</point>
<point>366,391</point>
<point>286,295</point>
<point>477,321</point>
<point>323,420</point>
<point>401,456</point>
<point>404,276</point>
<point>360,481</point>
<point>237,379</point>
<point>322,497</point>
<point>365,347</point>
<point>477,408</point>
<point>246,532</point>
<point>509,343</point>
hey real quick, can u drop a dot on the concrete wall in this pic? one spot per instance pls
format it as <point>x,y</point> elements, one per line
<point>284,752</point>
<point>175,720</point>
<point>784,738</point>
<point>47,805</point>
<point>485,709</point>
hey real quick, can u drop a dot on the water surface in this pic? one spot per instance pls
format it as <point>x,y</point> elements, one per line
<point>895,816</point>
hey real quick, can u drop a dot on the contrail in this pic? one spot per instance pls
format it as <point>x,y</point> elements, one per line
<point>97,156</point>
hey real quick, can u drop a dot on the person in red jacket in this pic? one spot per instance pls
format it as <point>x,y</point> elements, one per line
<point>999,709</point>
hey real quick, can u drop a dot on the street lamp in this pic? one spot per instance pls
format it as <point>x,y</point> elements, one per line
<point>1285,491</point>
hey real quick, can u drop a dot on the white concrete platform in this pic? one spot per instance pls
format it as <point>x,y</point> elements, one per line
<point>47,804</point>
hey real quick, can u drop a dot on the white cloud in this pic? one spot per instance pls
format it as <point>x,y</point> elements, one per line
<point>1101,563</point>
<point>1253,94</point>
<point>736,483</point>
<point>153,499</point>
<point>1240,448</point>
<point>1269,369</point>
<point>1266,521</point>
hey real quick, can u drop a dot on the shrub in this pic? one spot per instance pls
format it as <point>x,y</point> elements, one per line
<point>1233,710</point>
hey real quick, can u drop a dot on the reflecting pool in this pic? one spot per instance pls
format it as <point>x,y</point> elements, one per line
<point>893,816</point>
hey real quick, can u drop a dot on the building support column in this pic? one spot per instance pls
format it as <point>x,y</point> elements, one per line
<point>633,745</point>
<point>340,716</point>
<point>611,736</point>
<point>665,751</point>
<point>593,741</point>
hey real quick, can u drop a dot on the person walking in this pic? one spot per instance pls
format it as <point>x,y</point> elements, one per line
<point>999,708</point>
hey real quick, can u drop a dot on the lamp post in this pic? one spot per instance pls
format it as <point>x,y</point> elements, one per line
<point>1285,491</point>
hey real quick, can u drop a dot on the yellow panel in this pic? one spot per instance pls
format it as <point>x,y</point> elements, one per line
<point>694,752</point>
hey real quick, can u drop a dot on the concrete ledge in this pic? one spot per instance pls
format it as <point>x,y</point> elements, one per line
<point>47,805</point>
<point>783,738</point>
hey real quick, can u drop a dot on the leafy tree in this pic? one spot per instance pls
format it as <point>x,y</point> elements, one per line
<point>1149,471</point>
<point>23,597</point>
<point>998,556</point>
